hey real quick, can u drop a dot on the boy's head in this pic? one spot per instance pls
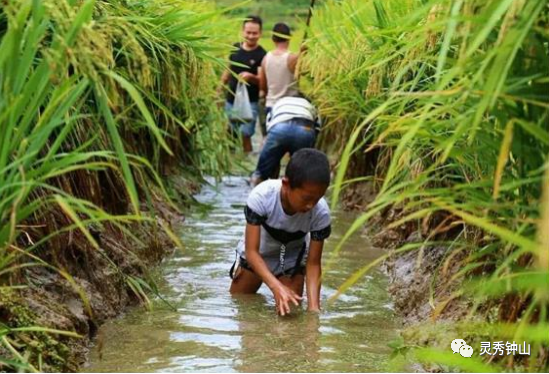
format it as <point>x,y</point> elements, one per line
<point>281,33</point>
<point>251,30</point>
<point>306,180</point>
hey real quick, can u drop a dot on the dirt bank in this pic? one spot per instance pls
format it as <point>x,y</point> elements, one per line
<point>102,283</point>
<point>420,279</point>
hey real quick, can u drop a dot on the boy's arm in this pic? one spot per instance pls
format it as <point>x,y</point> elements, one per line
<point>313,274</point>
<point>283,295</point>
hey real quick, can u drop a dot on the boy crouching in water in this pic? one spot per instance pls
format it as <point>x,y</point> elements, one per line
<point>287,223</point>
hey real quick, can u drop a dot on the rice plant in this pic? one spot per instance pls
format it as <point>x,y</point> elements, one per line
<point>98,100</point>
<point>450,99</point>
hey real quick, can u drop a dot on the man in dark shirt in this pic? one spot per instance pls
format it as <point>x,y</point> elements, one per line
<point>250,54</point>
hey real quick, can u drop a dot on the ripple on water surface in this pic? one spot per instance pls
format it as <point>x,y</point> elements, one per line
<point>209,331</point>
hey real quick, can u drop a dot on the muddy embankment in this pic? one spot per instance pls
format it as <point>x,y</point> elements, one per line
<point>87,287</point>
<point>420,279</point>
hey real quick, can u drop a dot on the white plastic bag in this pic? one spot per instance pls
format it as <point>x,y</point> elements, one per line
<point>242,109</point>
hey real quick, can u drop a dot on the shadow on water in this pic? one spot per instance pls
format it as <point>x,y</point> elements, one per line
<point>214,332</point>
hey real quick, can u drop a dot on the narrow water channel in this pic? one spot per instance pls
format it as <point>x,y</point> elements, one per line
<point>212,332</point>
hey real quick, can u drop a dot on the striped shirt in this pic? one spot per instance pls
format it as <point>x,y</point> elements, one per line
<point>289,108</point>
<point>283,236</point>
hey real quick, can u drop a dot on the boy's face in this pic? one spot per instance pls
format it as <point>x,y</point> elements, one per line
<point>251,32</point>
<point>304,198</point>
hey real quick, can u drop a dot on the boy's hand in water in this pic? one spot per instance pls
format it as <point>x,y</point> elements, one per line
<point>284,296</point>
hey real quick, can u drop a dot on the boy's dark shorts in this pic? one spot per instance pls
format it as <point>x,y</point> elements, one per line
<point>297,270</point>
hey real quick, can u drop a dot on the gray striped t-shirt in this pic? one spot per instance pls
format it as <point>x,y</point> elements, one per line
<point>264,207</point>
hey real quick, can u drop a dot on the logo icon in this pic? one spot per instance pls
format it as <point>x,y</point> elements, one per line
<point>466,350</point>
<point>461,347</point>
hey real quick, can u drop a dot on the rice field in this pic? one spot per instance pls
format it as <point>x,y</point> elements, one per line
<point>442,106</point>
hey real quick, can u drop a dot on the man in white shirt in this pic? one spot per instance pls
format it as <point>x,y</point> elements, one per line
<point>292,125</point>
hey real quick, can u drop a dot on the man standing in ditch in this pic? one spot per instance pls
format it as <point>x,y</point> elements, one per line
<point>250,54</point>
<point>278,67</point>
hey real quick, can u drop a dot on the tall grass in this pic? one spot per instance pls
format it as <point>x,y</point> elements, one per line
<point>451,101</point>
<point>98,100</point>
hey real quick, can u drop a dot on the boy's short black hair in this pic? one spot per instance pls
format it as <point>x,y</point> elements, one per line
<point>281,29</point>
<point>253,19</point>
<point>308,165</point>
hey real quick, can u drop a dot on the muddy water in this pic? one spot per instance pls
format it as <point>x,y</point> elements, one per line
<point>210,331</point>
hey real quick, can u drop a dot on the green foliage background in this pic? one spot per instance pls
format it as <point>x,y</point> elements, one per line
<point>292,12</point>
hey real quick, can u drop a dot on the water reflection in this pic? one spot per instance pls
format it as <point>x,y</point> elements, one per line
<point>292,341</point>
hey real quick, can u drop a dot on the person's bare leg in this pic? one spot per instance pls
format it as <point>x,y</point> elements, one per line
<point>247,282</point>
<point>247,144</point>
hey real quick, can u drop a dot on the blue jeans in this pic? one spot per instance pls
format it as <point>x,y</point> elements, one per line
<point>289,136</point>
<point>246,128</point>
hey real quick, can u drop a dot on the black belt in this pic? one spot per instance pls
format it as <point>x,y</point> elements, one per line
<point>302,122</point>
